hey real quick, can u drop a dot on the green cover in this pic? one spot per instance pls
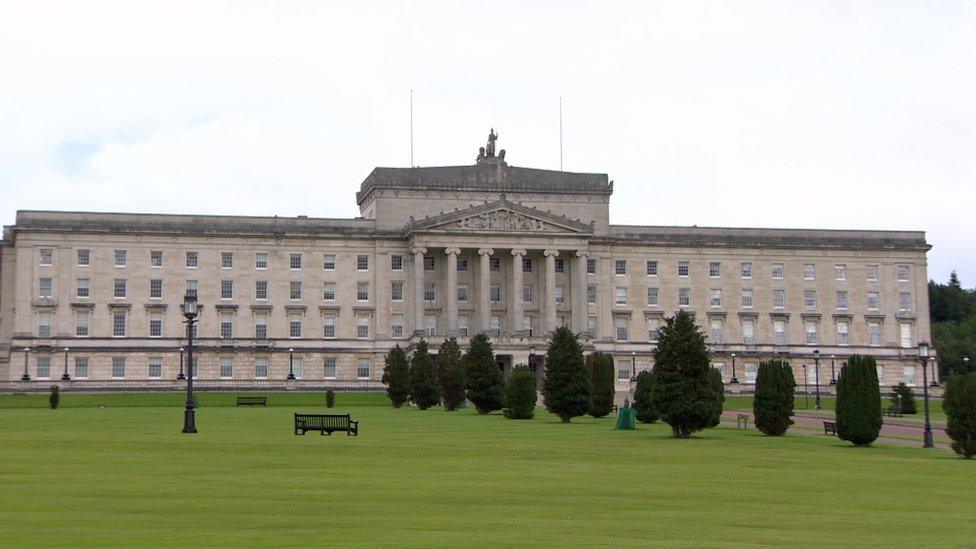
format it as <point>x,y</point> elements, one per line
<point>625,419</point>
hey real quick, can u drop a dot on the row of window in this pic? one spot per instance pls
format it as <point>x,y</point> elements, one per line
<point>778,270</point>
<point>746,298</point>
<point>83,258</point>
<point>154,368</point>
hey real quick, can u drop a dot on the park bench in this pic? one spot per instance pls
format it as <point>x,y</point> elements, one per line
<point>893,411</point>
<point>326,424</point>
<point>252,401</point>
<point>830,428</point>
<point>742,421</point>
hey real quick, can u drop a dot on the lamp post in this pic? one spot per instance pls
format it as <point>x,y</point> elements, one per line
<point>181,375</point>
<point>923,357</point>
<point>26,376</point>
<point>633,365</point>
<point>934,383</point>
<point>734,379</point>
<point>291,363</point>
<point>806,388</point>
<point>833,378</point>
<point>190,312</point>
<point>65,376</point>
<point>816,374</point>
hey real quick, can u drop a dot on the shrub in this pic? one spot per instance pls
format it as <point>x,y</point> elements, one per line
<point>396,376</point>
<point>858,401</point>
<point>643,401</point>
<point>772,407</point>
<point>681,390</point>
<point>520,395</point>
<point>55,397</point>
<point>566,388</point>
<point>450,374</point>
<point>959,403</point>
<point>600,370</point>
<point>424,391</point>
<point>718,386</point>
<point>483,379</point>
<point>904,398</point>
<point>330,399</point>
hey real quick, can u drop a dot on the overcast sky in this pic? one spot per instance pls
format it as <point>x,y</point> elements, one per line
<point>852,115</point>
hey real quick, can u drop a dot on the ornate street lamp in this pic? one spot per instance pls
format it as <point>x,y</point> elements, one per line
<point>291,363</point>
<point>816,373</point>
<point>65,376</point>
<point>26,376</point>
<point>933,383</point>
<point>190,311</point>
<point>734,379</point>
<point>923,357</point>
<point>833,378</point>
<point>633,365</point>
<point>806,388</point>
<point>181,375</point>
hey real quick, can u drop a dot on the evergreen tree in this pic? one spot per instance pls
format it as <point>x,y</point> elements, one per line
<point>424,391</point>
<point>450,374</point>
<point>904,398</point>
<point>681,391</point>
<point>772,406</point>
<point>600,369</point>
<point>55,397</point>
<point>717,385</point>
<point>643,401</point>
<point>482,378</point>
<point>858,401</point>
<point>520,395</point>
<point>396,376</point>
<point>959,404</point>
<point>566,388</point>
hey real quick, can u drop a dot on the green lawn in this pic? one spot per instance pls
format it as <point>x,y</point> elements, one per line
<point>127,476</point>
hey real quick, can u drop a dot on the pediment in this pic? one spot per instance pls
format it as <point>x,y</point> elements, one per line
<point>500,216</point>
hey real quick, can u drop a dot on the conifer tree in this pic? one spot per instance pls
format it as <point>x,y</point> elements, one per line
<point>859,401</point>
<point>600,370</point>
<point>396,376</point>
<point>483,379</point>
<point>643,401</point>
<point>772,406</point>
<point>566,388</point>
<point>959,404</point>
<point>520,395</point>
<point>424,391</point>
<point>450,374</point>
<point>904,399</point>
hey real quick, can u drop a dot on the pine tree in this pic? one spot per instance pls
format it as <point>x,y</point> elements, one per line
<point>450,374</point>
<point>772,406</point>
<point>959,404</point>
<point>643,401</point>
<point>55,397</point>
<point>424,391</point>
<point>482,377</point>
<point>600,370</point>
<point>903,397</point>
<point>396,376</point>
<point>681,390</point>
<point>718,386</point>
<point>520,395</point>
<point>566,388</point>
<point>858,401</point>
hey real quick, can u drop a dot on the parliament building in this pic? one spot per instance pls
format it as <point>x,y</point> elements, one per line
<point>95,298</point>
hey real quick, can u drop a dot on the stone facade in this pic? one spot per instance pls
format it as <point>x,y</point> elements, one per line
<point>444,252</point>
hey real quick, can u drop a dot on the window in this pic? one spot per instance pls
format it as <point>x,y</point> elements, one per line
<point>495,293</point>
<point>905,333</point>
<point>874,333</point>
<point>396,290</point>
<point>155,325</point>
<point>880,370</point>
<point>872,301</point>
<point>295,326</point>
<point>429,263</point>
<point>46,289</point>
<point>156,258</point>
<point>841,299</point>
<point>745,270</point>
<point>903,273</point>
<point>653,328</point>
<point>591,325</point>
<point>812,331</point>
<point>494,264</point>
<point>840,272</point>
<point>462,265</point>
<point>842,332</point>
<point>751,370</point>
<point>746,299</point>
<point>526,265</point>
<point>261,262</point>
<point>560,295</point>
<point>720,366</point>
<point>620,296</point>
<point>430,324</point>
<point>296,366</point>
<point>84,258</point>
<point>496,325</point>
<point>261,327</point>
<point>226,326</point>
<point>809,271</point>
<point>429,294</point>
<point>260,289</point>
<point>192,260</point>
<point>624,369</point>
<point>683,268</point>
<point>527,293</point>
<point>328,262</point>
<point>653,297</point>
<point>330,368</point>
<point>463,326</point>
<point>362,262</point>
<point>620,267</point>
<point>119,288</point>
<point>779,299</point>
<point>295,289</point>
<point>872,273</point>
<point>155,368</point>
<point>329,291</point>
<point>620,325</point>
<point>715,298</point>
<point>396,329</point>
<point>44,325</point>
<point>779,332</point>
<point>749,332</point>
<point>226,289</point>
<point>226,260</point>
<point>120,258</point>
<point>811,376</point>
<point>226,367</point>
<point>652,268</point>
<point>462,293</point>
<point>156,288</point>
<point>591,294</point>
<point>81,367</point>
<point>396,262</point>
<point>260,367</point>
<point>809,299</point>
<point>191,288</point>
<point>329,330</point>
<point>81,323</point>
<point>362,327</point>
<point>684,297</point>
<point>118,367</point>
<point>362,368</point>
<point>909,372</point>
<point>904,301</point>
<point>43,367</point>
<point>718,331</point>
<point>714,269</point>
<point>559,266</point>
<point>295,261</point>
<point>118,324</point>
<point>590,266</point>
<point>778,271</point>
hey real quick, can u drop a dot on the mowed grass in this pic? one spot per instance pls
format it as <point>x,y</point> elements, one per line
<point>127,476</point>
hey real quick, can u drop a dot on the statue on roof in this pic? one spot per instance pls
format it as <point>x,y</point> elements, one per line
<point>486,154</point>
<point>490,149</point>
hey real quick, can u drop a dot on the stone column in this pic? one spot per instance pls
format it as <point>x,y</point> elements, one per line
<point>515,313</point>
<point>580,306</point>
<point>550,296</point>
<point>451,299</point>
<point>484,290</point>
<point>418,289</point>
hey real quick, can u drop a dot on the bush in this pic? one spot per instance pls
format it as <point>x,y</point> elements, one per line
<point>520,395</point>
<point>681,391</point>
<point>450,375</point>
<point>55,397</point>
<point>330,399</point>
<point>643,401</point>
<point>396,376</point>
<point>859,401</point>
<point>772,407</point>
<point>717,385</point>
<point>600,369</point>
<point>566,388</point>
<point>424,391</point>
<point>904,398</point>
<point>959,403</point>
<point>483,379</point>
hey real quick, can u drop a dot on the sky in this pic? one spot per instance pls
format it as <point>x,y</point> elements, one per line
<point>840,115</point>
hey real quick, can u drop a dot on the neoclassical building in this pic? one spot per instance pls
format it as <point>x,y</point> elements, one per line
<point>441,252</point>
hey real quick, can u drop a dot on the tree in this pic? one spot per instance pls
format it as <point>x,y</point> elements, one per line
<point>566,388</point>
<point>483,379</point>
<point>600,370</point>
<point>953,313</point>
<point>904,398</point>
<point>423,378</point>
<point>55,397</point>
<point>715,381</point>
<point>643,400</point>
<point>396,376</point>
<point>858,401</point>
<point>450,374</point>
<point>520,395</point>
<point>959,403</point>
<point>772,406</point>
<point>681,390</point>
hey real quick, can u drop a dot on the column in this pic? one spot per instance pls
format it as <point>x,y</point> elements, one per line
<point>515,297</point>
<point>451,301</point>
<point>550,305</point>
<point>580,304</point>
<point>484,290</point>
<point>418,288</point>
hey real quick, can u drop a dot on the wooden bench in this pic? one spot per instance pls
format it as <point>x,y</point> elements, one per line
<point>830,428</point>
<point>326,424</point>
<point>742,421</point>
<point>252,401</point>
<point>892,411</point>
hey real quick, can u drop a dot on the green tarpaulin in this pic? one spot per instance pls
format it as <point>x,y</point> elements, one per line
<point>625,419</point>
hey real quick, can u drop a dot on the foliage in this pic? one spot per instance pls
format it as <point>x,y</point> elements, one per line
<point>450,374</point>
<point>959,404</point>
<point>483,380</point>
<point>772,406</point>
<point>424,391</point>
<point>566,388</point>
<point>715,381</point>
<point>858,406</point>
<point>600,370</point>
<point>953,313</point>
<point>643,400</point>
<point>55,397</point>
<point>330,399</point>
<point>681,390</point>
<point>904,398</point>
<point>396,376</point>
<point>520,395</point>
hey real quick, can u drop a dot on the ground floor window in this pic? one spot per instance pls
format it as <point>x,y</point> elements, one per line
<point>362,368</point>
<point>226,367</point>
<point>330,368</point>
<point>118,367</point>
<point>81,367</point>
<point>260,367</point>
<point>43,367</point>
<point>751,373</point>
<point>155,368</point>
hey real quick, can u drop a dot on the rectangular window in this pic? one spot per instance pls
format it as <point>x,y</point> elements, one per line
<point>329,330</point>
<point>462,265</point>
<point>620,267</point>
<point>812,331</point>
<point>527,293</point>
<point>156,258</point>
<point>496,325</point>
<point>44,325</point>
<point>809,299</point>
<point>463,326</point>
<point>779,299</point>
<point>840,272</point>
<point>192,260</point>
<point>462,293</point>
<point>226,289</point>
<point>362,327</point>
<point>872,273</point>
<point>591,325</point>
<point>330,368</point>
<point>872,301</point>
<point>745,270</point>
<point>495,293</point>
<point>156,288</point>
<point>118,367</point>
<point>296,366</point>
<point>261,289</point>
<point>880,370</point>
<point>718,331</point>
<point>261,326</point>
<point>560,295</point>
<point>362,262</point>
<point>841,299</point>
<point>714,269</point>
<point>778,271</point>
<point>903,273</point>
<point>118,324</point>
<point>715,298</point>
<point>429,294</point>
<point>295,326</point>
<point>621,329</point>
<point>329,291</point>
<point>83,257</point>
<point>155,368</point>
<point>120,258</point>
<point>809,271</point>
<point>396,291</point>
<point>226,326</point>
<point>81,367</point>
<point>653,328</point>
<point>526,265</point>
<point>430,323</point>
<point>155,325</point>
<point>261,261</point>
<point>653,297</point>
<point>81,323</point>
<point>494,264</point>
<point>590,266</point>
<point>260,367</point>
<point>620,296</point>
<point>683,269</point>
<point>396,262</point>
<point>874,333</point>
<point>191,288</point>
<point>684,297</point>
<point>909,372</point>
<point>226,367</point>
<point>559,266</point>
<point>429,263</point>
<point>904,301</point>
<point>396,329</point>
<point>328,262</point>
<point>652,268</point>
<point>226,260</point>
<point>295,290</point>
<point>43,367</point>
<point>119,288</point>
<point>842,333</point>
<point>905,335</point>
<point>362,368</point>
<point>295,261</point>
<point>751,370</point>
<point>746,299</point>
<point>749,332</point>
<point>591,294</point>
<point>779,332</point>
<point>46,287</point>
<point>624,369</point>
